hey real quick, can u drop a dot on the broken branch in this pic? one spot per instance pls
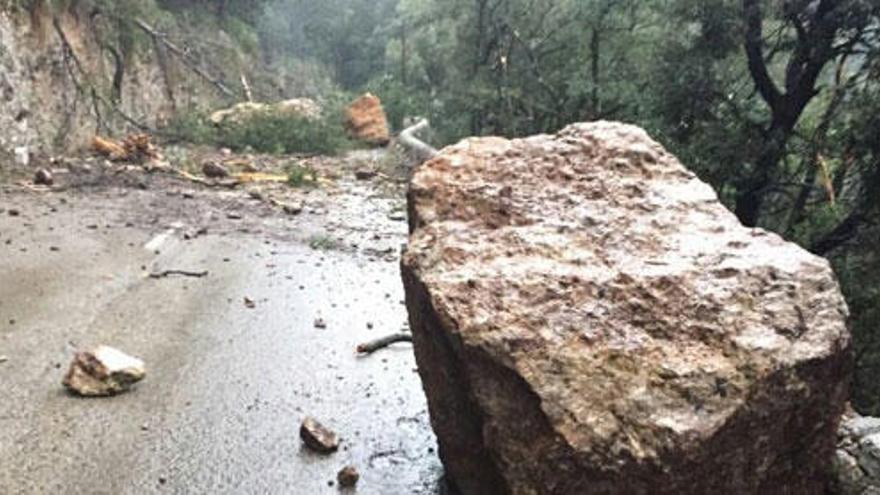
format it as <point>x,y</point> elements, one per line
<point>182,273</point>
<point>378,344</point>
<point>184,57</point>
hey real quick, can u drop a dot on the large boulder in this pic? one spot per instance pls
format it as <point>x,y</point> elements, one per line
<point>366,121</point>
<point>588,318</point>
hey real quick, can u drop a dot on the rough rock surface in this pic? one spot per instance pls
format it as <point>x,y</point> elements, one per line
<point>42,104</point>
<point>240,113</point>
<point>588,318</point>
<point>857,460</point>
<point>214,170</point>
<point>348,477</point>
<point>366,120</point>
<point>318,437</point>
<point>102,372</point>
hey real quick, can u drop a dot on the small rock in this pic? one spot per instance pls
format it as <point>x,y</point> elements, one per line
<point>103,371</point>
<point>13,212</point>
<point>3,359</point>
<point>292,209</point>
<point>249,303</point>
<point>214,170</point>
<point>256,194</point>
<point>348,477</point>
<point>365,174</point>
<point>320,323</point>
<point>43,177</point>
<point>318,437</point>
<point>234,216</point>
<point>397,216</point>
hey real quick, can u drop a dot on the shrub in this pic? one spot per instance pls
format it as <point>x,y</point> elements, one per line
<point>299,176</point>
<point>272,133</point>
<point>263,132</point>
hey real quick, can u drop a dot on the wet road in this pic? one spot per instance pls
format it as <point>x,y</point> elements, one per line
<point>227,385</point>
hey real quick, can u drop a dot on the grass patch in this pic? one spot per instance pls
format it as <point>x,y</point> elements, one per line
<point>322,242</point>
<point>300,176</point>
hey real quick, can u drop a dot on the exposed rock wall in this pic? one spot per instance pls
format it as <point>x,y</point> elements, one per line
<point>588,318</point>
<point>49,63</point>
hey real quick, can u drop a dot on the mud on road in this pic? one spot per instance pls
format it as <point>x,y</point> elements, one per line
<point>227,383</point>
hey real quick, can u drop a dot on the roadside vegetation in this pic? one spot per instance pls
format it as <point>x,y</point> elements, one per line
<point>265,133</point>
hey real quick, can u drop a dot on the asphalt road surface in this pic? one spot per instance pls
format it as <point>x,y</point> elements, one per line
<point>227,385</point>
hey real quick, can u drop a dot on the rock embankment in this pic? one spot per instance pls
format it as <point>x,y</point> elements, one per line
<point>588,318</point>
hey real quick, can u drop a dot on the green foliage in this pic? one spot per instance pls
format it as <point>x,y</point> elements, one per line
<point>264,132</point>
<point>191,126</point>
<point>300,176</point>
<point>323,242</point>
<point>272,133</point>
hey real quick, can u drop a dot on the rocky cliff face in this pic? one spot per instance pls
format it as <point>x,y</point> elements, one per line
<point>60,79</point>
<point>588,318</point>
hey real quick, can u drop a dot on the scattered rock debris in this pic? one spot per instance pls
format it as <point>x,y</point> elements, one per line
<point>348,477</point>
<point>136,148</point>
<point>320,323</point>
<point>102,372</point>
<point>318,437</point>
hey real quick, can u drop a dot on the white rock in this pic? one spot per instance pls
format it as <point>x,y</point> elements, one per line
<point>103,371</point>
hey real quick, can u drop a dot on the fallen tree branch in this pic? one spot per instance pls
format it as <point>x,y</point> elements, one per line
<point>419,149</point>
<point>375,345</point>
<point>92,90</point>
<point>182,273</point>
<point>184,57</point>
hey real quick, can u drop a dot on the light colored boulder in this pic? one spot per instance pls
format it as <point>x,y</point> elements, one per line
<point>588,318</point>
<point>103,371</point>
